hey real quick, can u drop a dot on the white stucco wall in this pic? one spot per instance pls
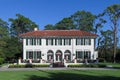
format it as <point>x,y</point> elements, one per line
<point>72,48</point>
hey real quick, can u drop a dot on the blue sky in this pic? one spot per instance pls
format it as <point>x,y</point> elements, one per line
<point>44,12</point>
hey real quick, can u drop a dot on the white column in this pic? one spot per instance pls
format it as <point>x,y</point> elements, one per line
<point>54,57</point>
<point>75,60</point>
<point>19,61</point>
<point>58,57</point>
<point>41,61</point>
<point>24,48</point>
<point>30,60</point>
<point>64,61</point>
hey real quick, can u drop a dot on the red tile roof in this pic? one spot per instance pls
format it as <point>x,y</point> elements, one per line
<point>48,33</point>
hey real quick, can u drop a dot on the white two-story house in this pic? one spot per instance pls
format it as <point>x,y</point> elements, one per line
<point>58,45</point>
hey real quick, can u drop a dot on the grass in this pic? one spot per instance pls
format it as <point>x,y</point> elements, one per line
<point>114,65</point>
<point>61,75</point>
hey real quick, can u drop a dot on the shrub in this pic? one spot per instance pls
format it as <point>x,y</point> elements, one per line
<point>102,60</point>
<point>1,60</point>
<point>88,65</point>
<point>41,65</point>
<point>28,66</point>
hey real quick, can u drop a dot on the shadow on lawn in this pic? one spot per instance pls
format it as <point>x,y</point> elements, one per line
<point>69,76</point>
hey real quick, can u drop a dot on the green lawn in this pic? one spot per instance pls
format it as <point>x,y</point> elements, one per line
<point>114,65</point>
<point>61,75</point>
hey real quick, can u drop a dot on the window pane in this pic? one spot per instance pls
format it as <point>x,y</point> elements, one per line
<point>38,54</point>
<point>38,41</point>
<point>46,41</point>
<point>34,41</point>
<point>87,54</point>
<point>59,41</point>
<point>35,54</point>
<point>79,54</point>
<point>67,41</point>
<point>30,54</point>
<point>26,41</point>
<point>27,54</point>
<point>87,41</point>
<point>50,41</point>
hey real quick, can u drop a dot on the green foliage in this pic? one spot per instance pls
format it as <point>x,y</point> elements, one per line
<point>113,13</point>
<point>83,20</point>
<point>102,60</point>
<point>3,28</point>
<point>29,66</point>
<point>106,45</point>
<point>65,24</point>
<point>1,61</point>
<point>21,25</point>
<point>49,27</point>
<point>88,65</point>
<point>13,48</point>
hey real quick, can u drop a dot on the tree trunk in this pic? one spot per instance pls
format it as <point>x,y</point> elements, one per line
<point>115,42</point>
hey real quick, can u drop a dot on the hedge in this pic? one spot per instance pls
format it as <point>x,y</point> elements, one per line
<point>28,66</point>
<point>87,65</point>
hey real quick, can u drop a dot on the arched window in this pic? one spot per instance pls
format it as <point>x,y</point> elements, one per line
<point>50,55</point>
<point>67,55</point>
<point>58,55</point>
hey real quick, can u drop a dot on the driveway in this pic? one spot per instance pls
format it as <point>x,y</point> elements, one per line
<point>35,69</point>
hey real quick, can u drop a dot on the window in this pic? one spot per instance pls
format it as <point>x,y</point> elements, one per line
<point>27,54</point>
<point>49,41</point>
<point>33,41</point>
<point>39,55</point>
<point>79,41</point>
<point>30,41</point>
<point>87,54</point>
<point>33,54</point>
<point>30,54</point>
<point>58,41</point>
<point>87,42</point>
<point>83,54</point>
<point>26,41</point>
<point>83,41</point>
<point>38,41</point>
<point>49,55</point>
<point>67,41</point>
<point>79,54</point>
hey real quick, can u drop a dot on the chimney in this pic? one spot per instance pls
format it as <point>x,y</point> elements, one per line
<point>35,29</point>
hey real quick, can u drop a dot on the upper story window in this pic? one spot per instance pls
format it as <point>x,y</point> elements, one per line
<point>67,41</point>
<point>33,41</point>
<point>38,41</point>
<point>87,41</point>
<point>79,41</point>
<point>83,41</point>
<point>58,41</point>
<point>49,41</point>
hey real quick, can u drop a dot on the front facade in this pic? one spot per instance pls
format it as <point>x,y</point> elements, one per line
<point>59,45</point>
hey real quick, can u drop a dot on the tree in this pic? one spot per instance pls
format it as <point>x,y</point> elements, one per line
<point>3,29</point>
<point>65,24</point>
<point>106,45</point>
<point>113,12</point>
<point>13,48</point>
<point>4,33</point>
<point>83,20</point>
<point>49,27</point>
<point>21,25</point>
